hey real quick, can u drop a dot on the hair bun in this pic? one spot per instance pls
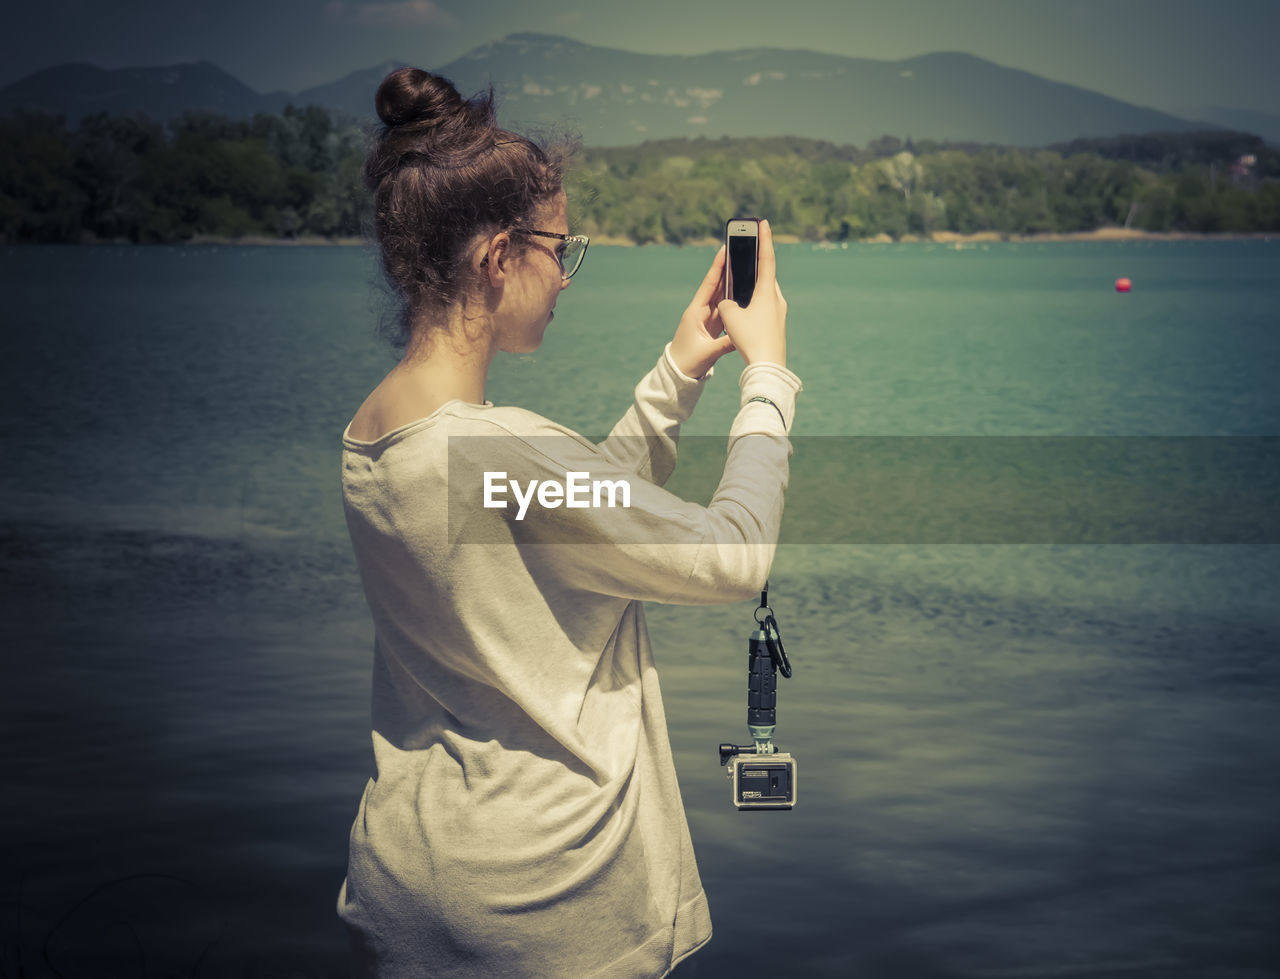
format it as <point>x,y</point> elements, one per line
<point>413,97</point>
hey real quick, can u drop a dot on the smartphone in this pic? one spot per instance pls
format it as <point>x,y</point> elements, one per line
<point>742,247</point>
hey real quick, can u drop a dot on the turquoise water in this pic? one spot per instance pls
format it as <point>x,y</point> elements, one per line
<point>1016,759</point>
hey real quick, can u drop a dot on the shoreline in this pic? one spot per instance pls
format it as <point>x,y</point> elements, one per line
<point>1097,234</point>
<point>990,237</point>
<point>953,238</point>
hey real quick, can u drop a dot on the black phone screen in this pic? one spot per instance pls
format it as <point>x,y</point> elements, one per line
<point>742,267</point>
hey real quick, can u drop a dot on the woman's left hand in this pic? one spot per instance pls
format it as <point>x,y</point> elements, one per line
<point>700,339</point>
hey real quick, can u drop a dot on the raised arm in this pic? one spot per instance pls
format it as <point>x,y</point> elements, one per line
<point>661,547</point>
<point>644,439</point>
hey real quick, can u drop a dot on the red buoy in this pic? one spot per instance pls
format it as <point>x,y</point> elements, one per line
<point>1123,285</point>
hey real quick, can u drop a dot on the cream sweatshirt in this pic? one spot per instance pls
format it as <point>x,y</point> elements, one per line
<point>524,817</point>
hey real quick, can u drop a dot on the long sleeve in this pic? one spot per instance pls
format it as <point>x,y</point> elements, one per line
<point>657,547</point>
<point>644,439</point>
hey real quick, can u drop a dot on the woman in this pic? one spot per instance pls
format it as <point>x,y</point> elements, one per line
<point>524,817</point>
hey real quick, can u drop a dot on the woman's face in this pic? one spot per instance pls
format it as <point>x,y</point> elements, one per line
<point>535,282</point>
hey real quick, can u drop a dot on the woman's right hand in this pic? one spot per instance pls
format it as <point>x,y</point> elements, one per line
<point>760,331</point>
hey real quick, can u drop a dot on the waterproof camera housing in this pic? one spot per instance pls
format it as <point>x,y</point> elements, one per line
<point>760,776</point>
<point>763,781</point>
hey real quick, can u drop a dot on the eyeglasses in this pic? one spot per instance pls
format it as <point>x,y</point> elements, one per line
<point>569,254</point>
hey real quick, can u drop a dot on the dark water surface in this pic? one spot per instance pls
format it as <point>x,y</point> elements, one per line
<point>1026,759</point>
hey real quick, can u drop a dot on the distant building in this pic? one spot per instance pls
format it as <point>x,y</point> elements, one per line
<point>1242,171</point>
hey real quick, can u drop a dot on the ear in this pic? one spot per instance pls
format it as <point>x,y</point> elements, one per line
<point>493,258</point>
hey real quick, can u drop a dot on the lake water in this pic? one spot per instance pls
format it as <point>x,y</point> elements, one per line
<point>1027,754</point>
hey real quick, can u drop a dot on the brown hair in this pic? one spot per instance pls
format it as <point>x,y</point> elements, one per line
<point>441,172</point>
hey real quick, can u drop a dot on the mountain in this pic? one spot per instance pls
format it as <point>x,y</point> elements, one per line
<point>1264,124</point>
<point>619,97</point>
<point>353,94</point>
<point>614,97</point>
<point>77,90</point>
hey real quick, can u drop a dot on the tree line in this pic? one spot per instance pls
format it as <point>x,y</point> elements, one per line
<point>124,177</point>
<point>121,178</point>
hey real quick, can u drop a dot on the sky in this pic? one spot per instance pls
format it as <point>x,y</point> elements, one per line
<point>1165,54</point>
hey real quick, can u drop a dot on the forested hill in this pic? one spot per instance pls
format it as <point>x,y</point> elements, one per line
<point>297,174</point>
